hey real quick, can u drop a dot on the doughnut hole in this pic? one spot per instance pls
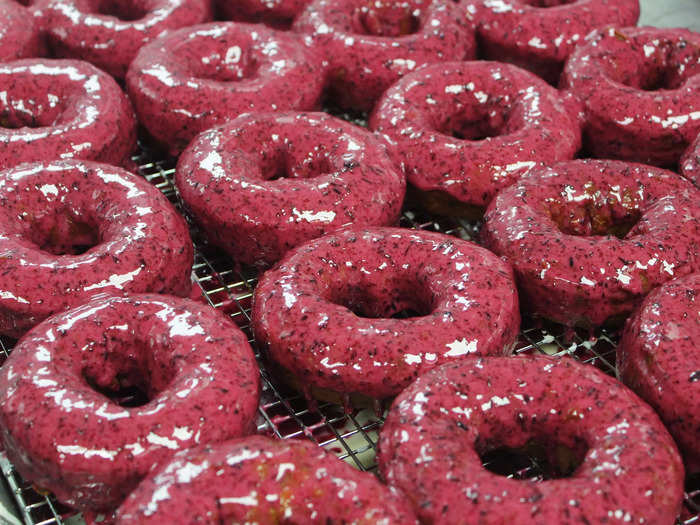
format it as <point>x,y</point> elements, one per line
<point>475,122</point>
<point>124,10</point>
<point>547,3</point>
<point>386,19</point>
<point>18,112</point>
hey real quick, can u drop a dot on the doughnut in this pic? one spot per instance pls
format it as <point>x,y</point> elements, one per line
<point>276,13</point>
<point>62,109</point>
<point>266,182</point>
<point>71,230</point>
<point>109,33</point>
<point>195,78</point>
<point>370,45</point>
<point>539,35</point>
<point>260,480</point>
<point>328,311</point>
<point>588,239</point>
<point>658,359</point>
<point>690,163</point>
<point>20,35</point>
<point>93,397</point>
<point>612,460</point>
<point>640,89</point>
<point>468,129</point>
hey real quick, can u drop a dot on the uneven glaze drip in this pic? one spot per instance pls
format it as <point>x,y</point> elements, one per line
<point>141,244</point>
<point>244,68</point>
<point>20,33</point>
<point>659,360</point>
<point>363,66</point>
<point>302,309</point>
<point>540,39</point>
<point>77,29</point>
<point>264,481</point>
<point>430,444</point>
<point>557,226</point>
<point>532,124</point>
<point>325,173</point>
<point>65,436</point>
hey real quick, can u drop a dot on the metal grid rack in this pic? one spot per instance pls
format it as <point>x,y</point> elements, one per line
<point>285,413</point>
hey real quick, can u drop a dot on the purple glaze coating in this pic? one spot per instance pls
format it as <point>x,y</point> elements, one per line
<point>20,35</point>
<point>370,45</point>
<point>276,13</point>
<point>141,244</point>
<point>193,79</point>
<point>437,428</point>
<point>690,163</point>
<point>463,297</point>
<point>524,119</point>
<point>263,481</point>
<point>109,33</point>
<point>557,228</point>
<point>539,35</point>
<point>333,173</point>
<point>640,89</point>
<point>195,365</point>
<point>659,359</point>
<point>60,109</point>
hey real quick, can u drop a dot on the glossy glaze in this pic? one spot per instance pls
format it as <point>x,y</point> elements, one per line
<point>370,45</point>
<point>658,359</point>
<point>20,35</point>
<point>263,481</point>
<point>539,35</point>
<point>61,109</point>
<point>557,227</point>
<point>109,33</point>
<point>195,365</point>
<point>463,300</point>
<point>640,88</point>
<point>266,182</point>
<point>690,163</point>
<point>276,13</point>
<point>430,444</point>
<point>49,210</point>
<point>525,121</point>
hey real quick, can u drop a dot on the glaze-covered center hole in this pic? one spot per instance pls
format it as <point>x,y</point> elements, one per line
<point>401,298</point>
<point>538,459</point>
<point>281,163</point>
<point>25,3</point>
<point>17,111</point>
<point>232,64</point>
<point>474,123</point>
<point>387,18</point>
<point>125,10</point>
<point>548,3</point>
<point>63,233</point>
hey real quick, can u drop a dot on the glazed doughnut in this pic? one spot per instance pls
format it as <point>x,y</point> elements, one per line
<point>243,68</point>
<point>690,163</point>
<point>20,35</point>
<point>370,45</point>
<point>61,109</point>
<point>324,313</point>
<point>194,371</point>
<point>539,35</point>
<point>263,481</point>
<point>658,359</point>
<point>266,182</point>
<point>640,88</point>
<point>70,231</point>
<point>589,239</point>
<point>109,33</point>
<point>276,13</point>
<point>468,129</point>
<point>437,429</point>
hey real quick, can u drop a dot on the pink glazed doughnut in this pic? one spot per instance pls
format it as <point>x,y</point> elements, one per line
<point>468,129</point>
<point>263,481</point>
<point>539,35</point>
<point>690,163</point>
<point>629,470</point>
<point>108,33</point>
<point>61,109</point>
<point>20,34</point>
<point>196,78</point>
<point>658,359</point>
<point>640,90</point>
<point>71,230</point>
<point>324,313</point>
<point>179,374</point>
<point>370,45</point>
<point>266,182</point>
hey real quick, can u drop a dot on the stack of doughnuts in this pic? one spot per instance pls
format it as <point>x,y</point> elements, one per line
<point>568,138</point>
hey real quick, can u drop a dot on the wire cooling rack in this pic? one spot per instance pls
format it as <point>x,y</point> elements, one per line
<point>284,412</point>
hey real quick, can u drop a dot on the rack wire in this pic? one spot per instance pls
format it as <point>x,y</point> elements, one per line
<point>284,412</point>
